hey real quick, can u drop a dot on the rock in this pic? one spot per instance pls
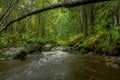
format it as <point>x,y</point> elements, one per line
<point>47,47</point>
<point>30,48</point>
<point>2,59</point>
<point>21,52</point>
<point>21,55</point>
<point>63,48</point>
<point>116,63</point>
<point>12,52</point>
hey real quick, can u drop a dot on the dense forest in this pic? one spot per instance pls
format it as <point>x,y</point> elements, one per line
<point>59,39</point>
<point>92,27</point>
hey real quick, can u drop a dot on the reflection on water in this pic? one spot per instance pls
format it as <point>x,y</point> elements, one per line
<point>59,65</point>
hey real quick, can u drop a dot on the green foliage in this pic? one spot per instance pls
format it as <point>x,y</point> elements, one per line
<point>90,28</point>
<point>35,39</point>
<point>103,41</point>
<point>1,53</point>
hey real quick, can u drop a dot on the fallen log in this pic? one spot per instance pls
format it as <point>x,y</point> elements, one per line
<point>53,6</point>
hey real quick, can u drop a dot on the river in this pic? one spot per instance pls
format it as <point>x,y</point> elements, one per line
<point>58,65</point>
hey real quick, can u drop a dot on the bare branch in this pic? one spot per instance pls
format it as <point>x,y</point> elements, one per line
<point>7,12</point>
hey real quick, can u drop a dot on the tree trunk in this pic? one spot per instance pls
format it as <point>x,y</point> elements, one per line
<point>54,6</point>
<point>92,16</point>
<point>85,19</point>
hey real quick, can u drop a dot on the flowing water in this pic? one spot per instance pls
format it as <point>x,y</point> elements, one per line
<point>58,65</point>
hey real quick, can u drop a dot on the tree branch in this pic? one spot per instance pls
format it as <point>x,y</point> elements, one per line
<point>54,6</point>
<point>7,12</point>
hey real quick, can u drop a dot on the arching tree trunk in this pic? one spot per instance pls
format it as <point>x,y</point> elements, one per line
<point>54,6</point>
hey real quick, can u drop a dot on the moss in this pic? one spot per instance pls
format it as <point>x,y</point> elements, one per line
<point>103,42</point>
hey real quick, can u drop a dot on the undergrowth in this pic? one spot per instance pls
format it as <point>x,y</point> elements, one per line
<point>103,41</point>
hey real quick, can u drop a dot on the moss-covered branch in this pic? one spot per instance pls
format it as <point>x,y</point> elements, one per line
<point>53,6</point>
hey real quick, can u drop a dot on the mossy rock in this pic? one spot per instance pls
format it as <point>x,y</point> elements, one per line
<point>33,47</point>
<point>47,47</point>
<point>21,55</point>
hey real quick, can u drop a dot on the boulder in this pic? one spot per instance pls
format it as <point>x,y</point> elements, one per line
<point>116,63</point>
<point>12,52</point>
<point>47,47</point>
<point>30,48</point>
<point>21,52</point>
<point>22,55</point>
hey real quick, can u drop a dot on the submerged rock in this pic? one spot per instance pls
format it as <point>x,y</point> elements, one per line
<point>116,63</point>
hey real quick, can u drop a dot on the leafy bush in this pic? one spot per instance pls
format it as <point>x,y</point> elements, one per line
<point>105,41</point>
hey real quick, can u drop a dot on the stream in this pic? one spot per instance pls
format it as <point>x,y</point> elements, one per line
<point>58,65</point>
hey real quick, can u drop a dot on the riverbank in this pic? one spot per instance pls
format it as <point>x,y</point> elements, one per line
<point>23,52</point>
